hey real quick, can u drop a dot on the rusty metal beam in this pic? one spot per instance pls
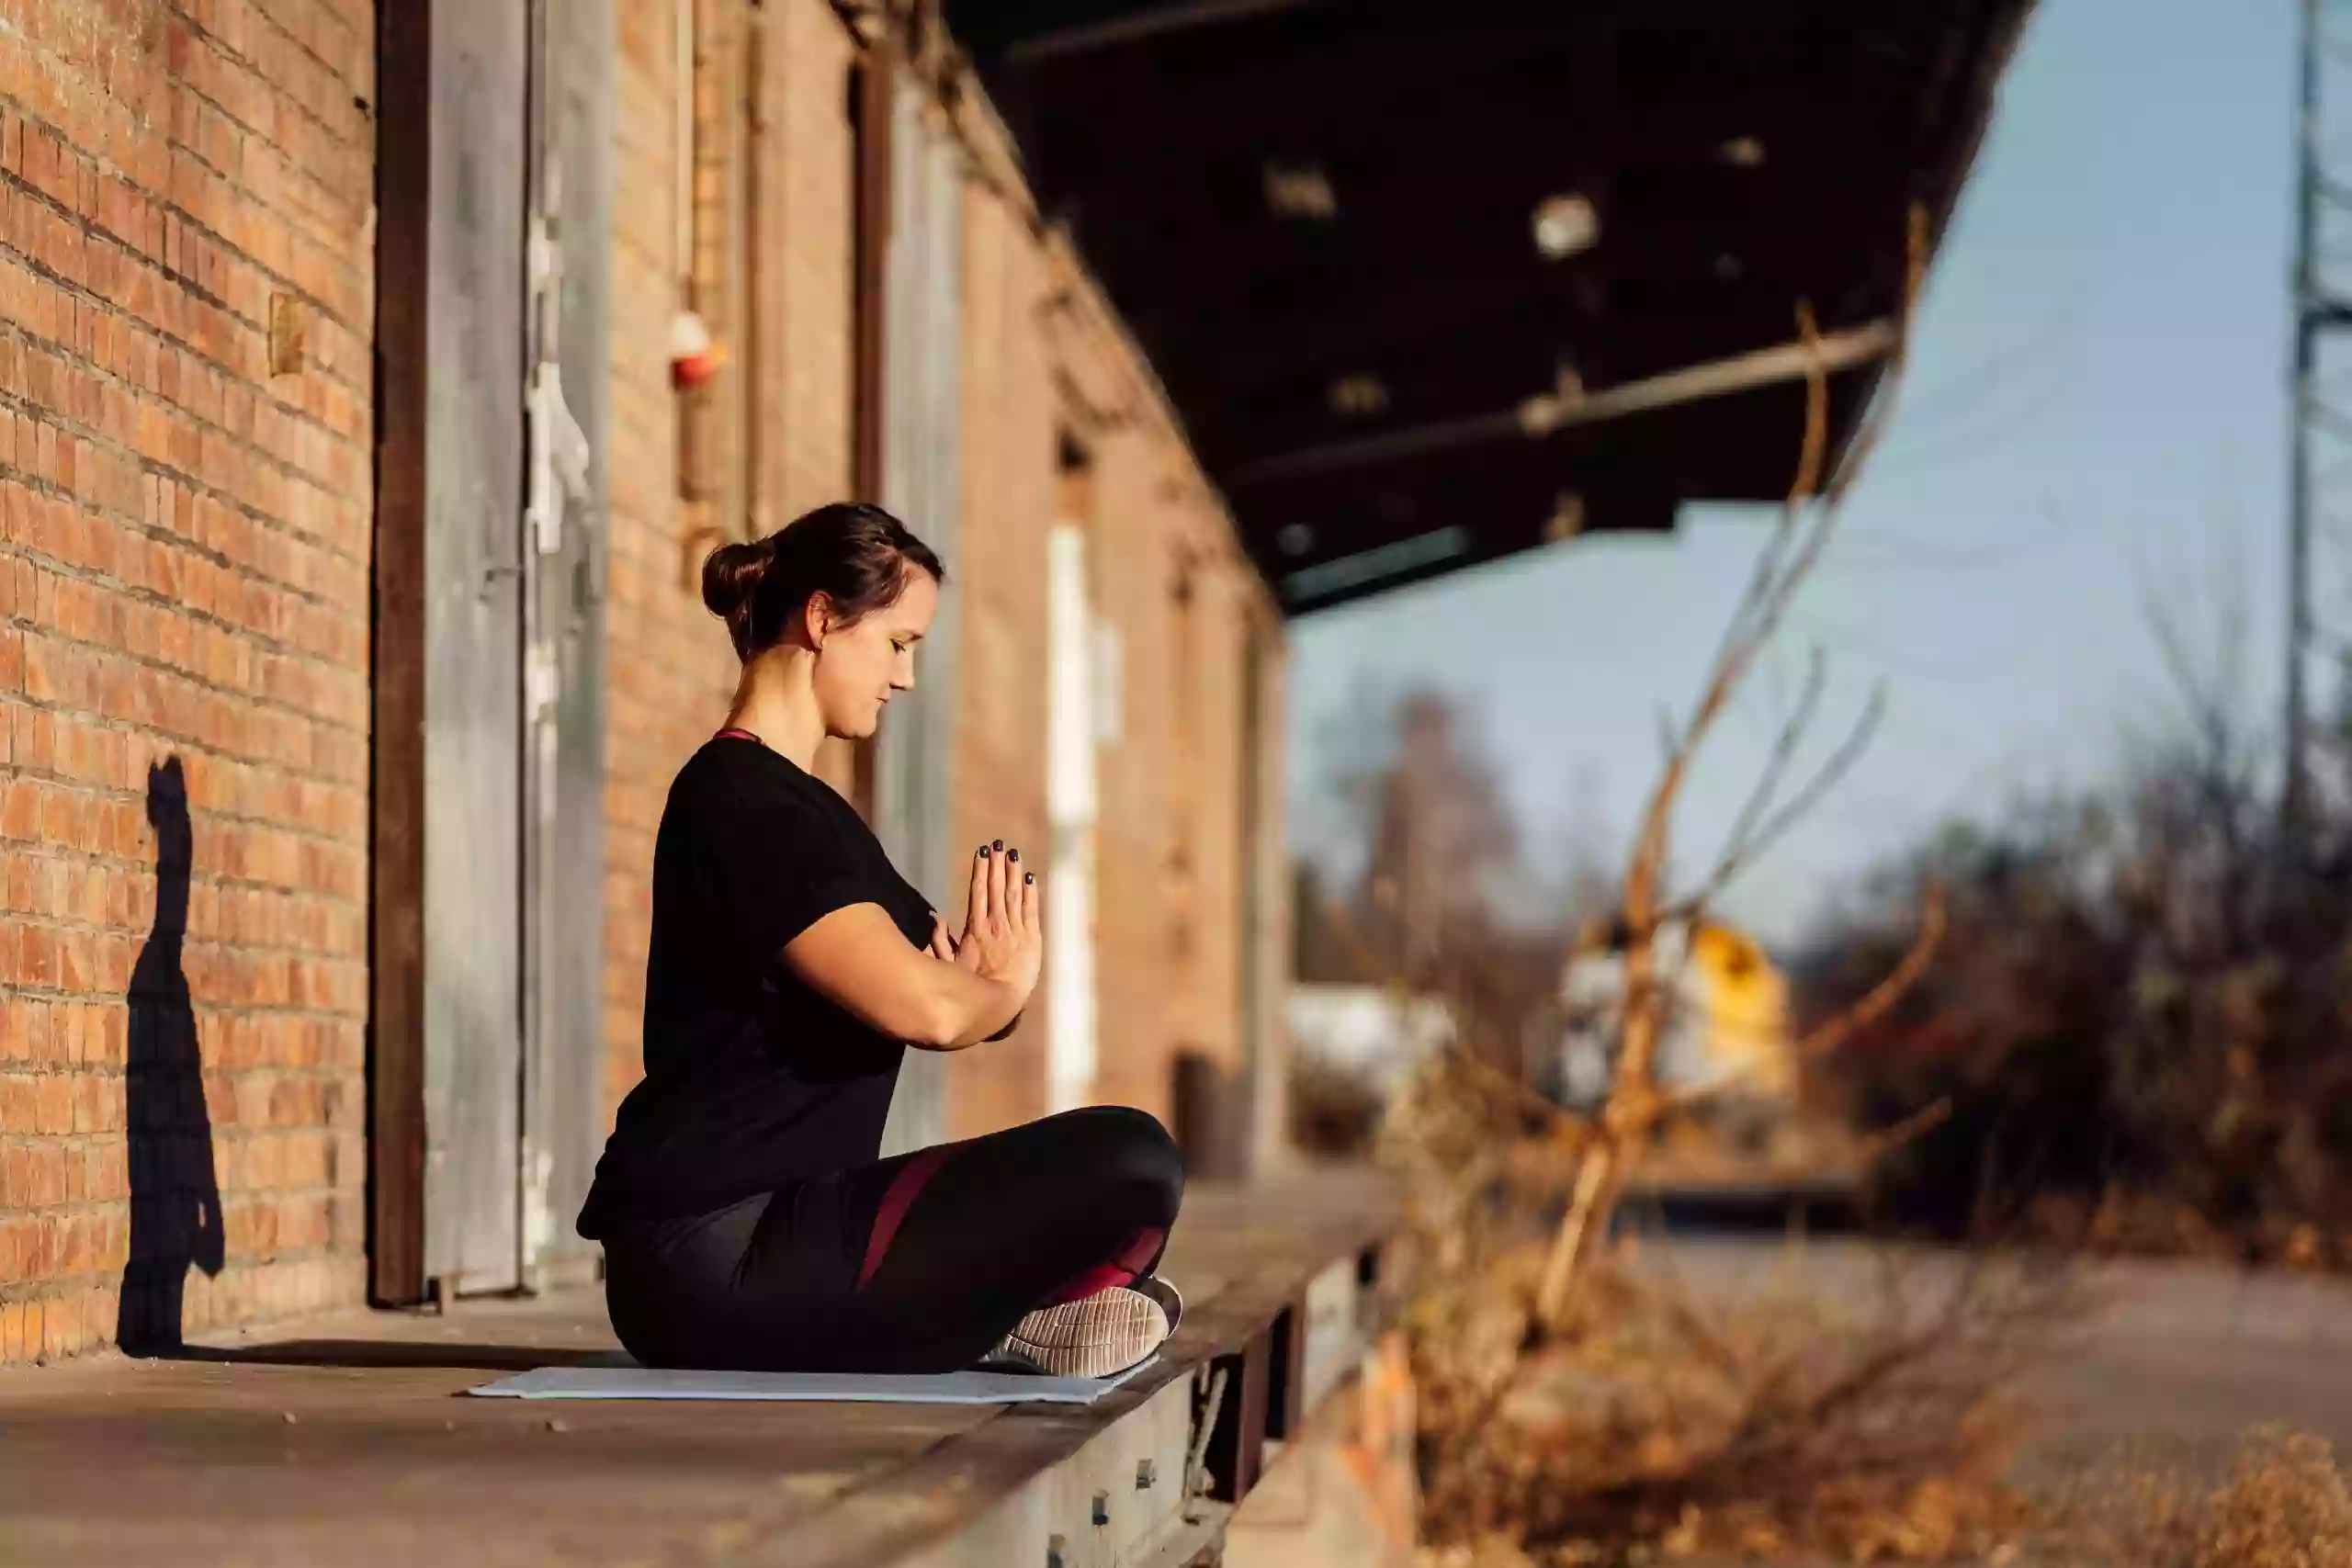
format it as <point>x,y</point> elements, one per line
<point>1540,416</point>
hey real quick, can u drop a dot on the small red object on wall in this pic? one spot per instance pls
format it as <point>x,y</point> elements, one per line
<point>694,355</point>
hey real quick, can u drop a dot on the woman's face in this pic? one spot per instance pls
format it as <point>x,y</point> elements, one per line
<point>860,666</point>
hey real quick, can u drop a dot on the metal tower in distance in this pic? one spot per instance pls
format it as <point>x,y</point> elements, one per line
<point>2319,520</point>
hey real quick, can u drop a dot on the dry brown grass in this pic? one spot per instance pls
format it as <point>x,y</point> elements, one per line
<point>1874,1431</point>
<point>1794,1415</point>
<point>2284,1503</point>
<point>1665,1421</point>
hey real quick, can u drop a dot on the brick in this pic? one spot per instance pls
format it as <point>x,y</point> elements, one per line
<point>47,1160</point>
<point>54,1114</point>
<point>18,1114</point>
<point>35,957</point>
<point>96,1106</point>
<point>40,1035</point>
<point>61,1326</point>
<point>72,1244</point>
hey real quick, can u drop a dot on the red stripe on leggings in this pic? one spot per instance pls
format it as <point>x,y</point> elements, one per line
<point>1121,1270</point>
<point>896,1200</point>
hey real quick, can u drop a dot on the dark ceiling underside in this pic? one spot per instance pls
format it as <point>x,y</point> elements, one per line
<point>1321,221</point>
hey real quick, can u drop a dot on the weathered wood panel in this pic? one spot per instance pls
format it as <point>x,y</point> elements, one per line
<point>563,1108</point>
<point>396,850</point>
<point>476,130</point>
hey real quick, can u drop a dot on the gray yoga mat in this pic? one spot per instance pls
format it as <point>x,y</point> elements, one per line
<point>624,1379</point>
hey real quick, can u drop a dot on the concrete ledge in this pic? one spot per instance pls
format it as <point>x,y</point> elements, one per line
<point>348,1443</point>
<point>1154,1472</point>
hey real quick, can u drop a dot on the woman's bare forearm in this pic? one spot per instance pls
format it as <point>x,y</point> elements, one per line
<point>971,1010</point>
<point>858,959</point>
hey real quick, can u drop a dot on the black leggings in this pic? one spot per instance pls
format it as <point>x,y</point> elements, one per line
<point>920,1263</point>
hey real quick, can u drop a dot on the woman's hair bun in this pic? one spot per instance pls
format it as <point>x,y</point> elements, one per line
<point>732,573</point>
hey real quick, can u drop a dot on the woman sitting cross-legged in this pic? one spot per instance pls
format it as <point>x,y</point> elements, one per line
<point>747,1219</point>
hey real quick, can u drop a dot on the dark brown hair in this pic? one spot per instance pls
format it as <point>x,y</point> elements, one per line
<point>857,556</point>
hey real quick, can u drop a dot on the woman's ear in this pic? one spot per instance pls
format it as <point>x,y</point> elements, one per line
<point>818,619</point>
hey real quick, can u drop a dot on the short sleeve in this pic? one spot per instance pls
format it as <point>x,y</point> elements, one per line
<point>778,866</point>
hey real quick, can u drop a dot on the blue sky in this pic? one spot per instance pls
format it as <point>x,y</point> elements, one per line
<point>2095,418</point>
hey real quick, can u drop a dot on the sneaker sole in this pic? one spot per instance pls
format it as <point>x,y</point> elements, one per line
<point>1095,1337</point>
<point>1172,1302</point>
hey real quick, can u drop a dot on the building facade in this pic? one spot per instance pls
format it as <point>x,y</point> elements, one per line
<point>353,495</point>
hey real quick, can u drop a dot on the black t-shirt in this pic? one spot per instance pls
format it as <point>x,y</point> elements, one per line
<point>752,1080</point>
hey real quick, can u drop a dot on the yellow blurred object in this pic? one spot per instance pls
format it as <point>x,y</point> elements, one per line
<point>1727,1027</point>
<point>1743,1003</point>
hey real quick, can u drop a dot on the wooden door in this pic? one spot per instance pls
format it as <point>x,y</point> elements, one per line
<point>485,1041</point>
<point>473,633</point>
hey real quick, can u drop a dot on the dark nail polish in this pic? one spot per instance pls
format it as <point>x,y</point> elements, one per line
<point>998,846</point>
<point>984,851</point>
<point>1029,877</point>
<point>1012,855</point>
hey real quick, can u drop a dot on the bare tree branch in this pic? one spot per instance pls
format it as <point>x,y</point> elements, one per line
<point>1634,1106</point>
<point>1758,614</point>
<point>1784,750</point>
<point>1739,853</point>
<point>1916,243</point>
<point>1744,629</point>
<point>1881,999</point>
<point>1633,1109</point>
<point>1911,1128</point>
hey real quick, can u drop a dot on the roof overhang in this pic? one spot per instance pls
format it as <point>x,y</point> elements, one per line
<point>1428,293</point>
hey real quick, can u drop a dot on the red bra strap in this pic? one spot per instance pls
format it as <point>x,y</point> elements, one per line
<point>733,732</point>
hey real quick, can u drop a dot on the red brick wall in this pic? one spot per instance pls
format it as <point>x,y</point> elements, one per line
<point>805,258</point>
<point>673,672</point>
<point>1045,355</point>
<point>1012,417</point>
<point>666,657</point>
<point>1170,851</point>
<point>184,574</point>
<point>806,252</point>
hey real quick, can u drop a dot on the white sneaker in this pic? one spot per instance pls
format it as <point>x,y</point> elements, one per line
<point>1100,1337</point>
<point>1171,1301</point>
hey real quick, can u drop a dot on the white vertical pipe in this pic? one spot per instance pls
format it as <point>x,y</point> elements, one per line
<point>682,208</point>
<point>1071,725</point>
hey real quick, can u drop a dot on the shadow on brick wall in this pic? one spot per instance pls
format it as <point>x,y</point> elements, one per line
<point>175,1193</point>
